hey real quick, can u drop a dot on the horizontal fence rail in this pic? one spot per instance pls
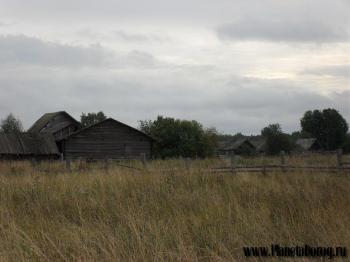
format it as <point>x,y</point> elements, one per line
<point>341,166</point>
<point>270,168</point>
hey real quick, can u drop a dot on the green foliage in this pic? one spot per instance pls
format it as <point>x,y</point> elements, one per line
<point>175,137</point>
<point>226,138</point>
<point>276,140</point>
<point>92,118</point>
<point>301,134</point>
<point>328,126</point>
<point>11,125</point>
<point>346,146</point>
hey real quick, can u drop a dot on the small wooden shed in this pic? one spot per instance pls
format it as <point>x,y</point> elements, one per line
<point>108,139</point>
<point>240,146</point>
<point>27,146</point>
<point>259,143</point>
<point>307,144</point>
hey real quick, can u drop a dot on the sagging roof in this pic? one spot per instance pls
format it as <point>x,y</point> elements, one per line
<point>46,118</point>
<point>306,143</point>
<point>259,143</point>
<point>28,144</point>
<point>233,145</point>
<point>113,120</point>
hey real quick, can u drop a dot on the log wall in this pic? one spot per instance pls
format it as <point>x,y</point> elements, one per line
<point>107,140</point>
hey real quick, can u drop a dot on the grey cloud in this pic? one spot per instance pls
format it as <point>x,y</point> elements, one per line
<point>24,50</point>
<point>20,49</point>
<point>195,10</point>
<point>241,104</point>
<point>139,58</point>
<point>122,35</point>
<point>336,70</point>
<point>6,23</point>
<point>283,31</point>
<point>137,37</point>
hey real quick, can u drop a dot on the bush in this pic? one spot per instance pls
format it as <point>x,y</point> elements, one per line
<point>276,140</point>
<point>180,138</point>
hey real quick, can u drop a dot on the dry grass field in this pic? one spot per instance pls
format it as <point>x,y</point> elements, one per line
<point>167,212</point>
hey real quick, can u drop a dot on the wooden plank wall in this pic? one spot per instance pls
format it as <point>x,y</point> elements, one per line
<point>65,132</point>
<point>61,126</point>
<point>107,140</point>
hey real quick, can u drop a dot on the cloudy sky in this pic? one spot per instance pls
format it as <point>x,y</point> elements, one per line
<point>237,65</point>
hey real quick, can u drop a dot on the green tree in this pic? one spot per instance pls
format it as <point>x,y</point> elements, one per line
<point>175,137</point>
<point>328,126</point>
<point>346,145</point>
<point>92,118</point>
<point>276,140</point>
<point>11,124</point>
<point>300,134</point>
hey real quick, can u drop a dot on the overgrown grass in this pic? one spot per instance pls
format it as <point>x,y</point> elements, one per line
<point>121,214</point>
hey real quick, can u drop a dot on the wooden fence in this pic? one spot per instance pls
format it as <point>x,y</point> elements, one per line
<point>233,168</point>
<point>340,166</point>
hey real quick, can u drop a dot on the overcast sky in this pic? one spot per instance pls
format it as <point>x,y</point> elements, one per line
<point>237,65</point>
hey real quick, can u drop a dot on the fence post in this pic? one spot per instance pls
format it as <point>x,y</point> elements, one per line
<point>264,169</point>
<point>233,163</point>
<point>34,163</point>
<point>68,165</point>
<point>144,160</point>
<point>188,163</point>
<point>339,158</point>
<point>80,167</point>
<point>283,161</point>
<point>105,165</point>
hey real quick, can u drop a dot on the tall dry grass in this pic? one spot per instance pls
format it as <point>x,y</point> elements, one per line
<point>167,213</point>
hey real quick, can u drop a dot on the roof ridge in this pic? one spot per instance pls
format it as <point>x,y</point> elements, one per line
<point>45,118</point>
<point>104,120</point>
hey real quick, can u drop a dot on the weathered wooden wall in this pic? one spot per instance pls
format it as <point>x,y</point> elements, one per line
<point>107,140</point>
<point>65,132</point>
<point>61,126</point>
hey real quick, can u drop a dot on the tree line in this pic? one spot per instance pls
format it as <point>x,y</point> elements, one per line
<point>188,138</point>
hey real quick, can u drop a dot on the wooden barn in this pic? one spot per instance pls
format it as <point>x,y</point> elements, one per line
<point>259,143</point>
<point>108,139</point>
<point>307,145</point>
<point>28,146</point>
<point>59,124</point>
<point>240,146</point>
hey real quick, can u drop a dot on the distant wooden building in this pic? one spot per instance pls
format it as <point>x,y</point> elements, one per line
<point>259,143</point>
<point>240,146</point>
<point>28,146</point>
<point>108,139</point>
<point>58,133</point>
<point>307,144</point>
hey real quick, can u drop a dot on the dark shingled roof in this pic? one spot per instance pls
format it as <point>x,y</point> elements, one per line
<point>233,145</point>
<point>259,143</point>
<point>28,144</point>
<point>45,119</point>
<point>112,120</point>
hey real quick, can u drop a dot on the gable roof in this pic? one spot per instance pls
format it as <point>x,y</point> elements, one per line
<point>113,120</point>
<point>28,144</point>
<point>46,118</point>
<point>258,142</point>
<point>306,143</point>
<point>233,145</point>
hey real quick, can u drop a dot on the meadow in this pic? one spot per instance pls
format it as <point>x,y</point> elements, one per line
<point>167,212</point>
